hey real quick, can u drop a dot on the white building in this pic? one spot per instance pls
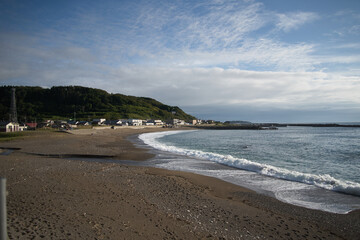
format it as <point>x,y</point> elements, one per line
<point>176,122</point>
<point>135,122</point>
<point>155,122</point>
<point>197,121</point>
<point>9,127</point>
<point>22,127</point>
<point>148,123</point>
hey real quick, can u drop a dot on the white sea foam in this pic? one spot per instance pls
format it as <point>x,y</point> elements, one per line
<point>323,181</point>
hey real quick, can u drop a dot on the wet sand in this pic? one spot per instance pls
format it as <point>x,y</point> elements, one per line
<point>50,197</point>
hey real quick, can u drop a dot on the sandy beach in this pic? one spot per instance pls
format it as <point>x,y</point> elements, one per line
<point>53,197</point>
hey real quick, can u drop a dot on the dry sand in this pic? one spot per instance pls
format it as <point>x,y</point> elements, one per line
<point>56,198</point>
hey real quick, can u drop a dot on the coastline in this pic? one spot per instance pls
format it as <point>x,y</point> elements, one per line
<point>59,198</point>
<point>201,157</point>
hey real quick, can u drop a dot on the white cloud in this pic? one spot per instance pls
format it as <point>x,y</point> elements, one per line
<point>261,53</point>
<point>291,21</point>
<point>217,86</point>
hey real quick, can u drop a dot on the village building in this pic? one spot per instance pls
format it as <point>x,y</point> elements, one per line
<point>73,124</point>
<point>135,122</point>
<point>113,122</point>
<point>83,123</point>
<point>9,127</point>
<point>60,124</point>
<point>31,125</point>
<point>124,122</point>
<point>43,124</point>
<point>98,121</point>
<point>176,122</point>
<point>148,123</point>
<point>22,127</point>
<point>155,122</point>
<point>197,121</point>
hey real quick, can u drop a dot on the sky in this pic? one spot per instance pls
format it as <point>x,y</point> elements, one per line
<point>259,61</point>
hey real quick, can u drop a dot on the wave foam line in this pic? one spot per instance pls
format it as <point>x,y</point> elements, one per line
<point>324,181</point>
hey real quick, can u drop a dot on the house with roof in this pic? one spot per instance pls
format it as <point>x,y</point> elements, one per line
<point>83,123</point>
<point>73,124</point>
<point>9,127</point>
<point>113,122</point>
<point>22,127</point>
<point>98,121</point>
<point>132,122</point>
<point>154,122</point>
<point>31,125</point>
<point>176,122</point>
<point>197,121</point>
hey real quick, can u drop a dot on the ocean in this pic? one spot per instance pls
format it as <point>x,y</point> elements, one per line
<point>316,168</point>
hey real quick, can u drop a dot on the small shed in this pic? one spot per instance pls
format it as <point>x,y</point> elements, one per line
<point>9,127</point>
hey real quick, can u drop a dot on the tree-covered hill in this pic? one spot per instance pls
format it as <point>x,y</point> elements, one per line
<point>83,103</point>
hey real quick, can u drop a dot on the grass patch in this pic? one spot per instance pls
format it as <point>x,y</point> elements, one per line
<point>9,136</point>
<point>12,135</point>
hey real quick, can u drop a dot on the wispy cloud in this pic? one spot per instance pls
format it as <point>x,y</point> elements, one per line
<point>264,54</point>
<point>224,26</point>
<point>201,34</point>
<point>196,25</point>
<point>290,21</point>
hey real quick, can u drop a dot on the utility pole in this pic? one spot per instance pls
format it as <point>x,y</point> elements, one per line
<point>13,112</point>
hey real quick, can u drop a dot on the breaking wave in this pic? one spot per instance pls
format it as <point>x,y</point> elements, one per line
<point>324,181</point>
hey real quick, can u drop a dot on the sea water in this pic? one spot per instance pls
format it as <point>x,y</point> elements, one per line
<point>317,168</point>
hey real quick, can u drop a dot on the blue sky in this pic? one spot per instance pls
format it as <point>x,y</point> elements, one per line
<point>282,61</point>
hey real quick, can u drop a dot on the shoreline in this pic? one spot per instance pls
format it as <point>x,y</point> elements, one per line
<point>60,198</point>
<point>288,190</point>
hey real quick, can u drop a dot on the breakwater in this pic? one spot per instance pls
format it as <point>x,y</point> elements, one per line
<point>270,126</point>
<point>322,125</point>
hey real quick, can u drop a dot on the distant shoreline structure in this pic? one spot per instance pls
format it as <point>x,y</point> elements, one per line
<point>322,125</point>
<point>271,126</point>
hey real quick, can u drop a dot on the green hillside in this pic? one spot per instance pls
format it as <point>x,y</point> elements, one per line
<point>87,103</point>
